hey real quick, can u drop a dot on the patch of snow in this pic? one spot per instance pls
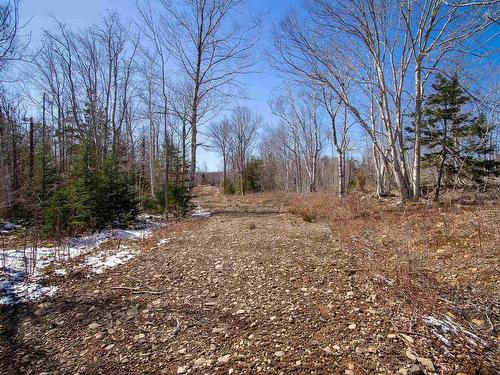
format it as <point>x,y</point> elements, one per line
<point>200,212</point>
<point>8,227</point>
<point>61,272</point>
<point>132,234</point>
<point>16,288</point>
<point>20,268</point>
<point>442,328</point>
<point>163,241</point>
<point>104,260</point>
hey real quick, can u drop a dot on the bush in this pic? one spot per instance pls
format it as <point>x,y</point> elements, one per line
<point>230,187</point>
<point>178,198</point>
<point>360,180</point>
<point>252,175</point>
<point>115,198</point>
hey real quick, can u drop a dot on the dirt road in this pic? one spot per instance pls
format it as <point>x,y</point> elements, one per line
<point>252,289</point>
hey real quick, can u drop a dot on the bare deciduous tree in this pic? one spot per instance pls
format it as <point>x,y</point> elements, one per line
<point>210,51</point>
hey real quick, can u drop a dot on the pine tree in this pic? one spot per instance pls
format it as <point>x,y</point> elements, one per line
<point>454,141</point>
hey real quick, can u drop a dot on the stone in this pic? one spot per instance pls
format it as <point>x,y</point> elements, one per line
<point>94,325</point>
<point>199,362</point>
<point>109,347</point>
<point>349,295</point>
<point>224,359</point>
<point>181,370</point>
<point>426,363</point>
<point>410,355</point>
<point>407,338</point>
<point>352,326</point>
<point>349,372</point>
<point>328,350</point>
<point>132,311</point>
<point>279,353</point>
<point>336,347</point>
<point>240,311</point>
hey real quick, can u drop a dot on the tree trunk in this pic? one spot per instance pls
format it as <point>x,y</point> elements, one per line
<point>32,149</point>
<point>167,160</point>
<point>440,175</point>
<point>418,121</point>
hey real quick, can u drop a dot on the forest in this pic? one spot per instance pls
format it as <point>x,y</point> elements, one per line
<point>311,184</point>
<point>101,122</point>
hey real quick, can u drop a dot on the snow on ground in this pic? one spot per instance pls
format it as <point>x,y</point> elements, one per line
<point>61,272</point>
<point>163,241</point>
<point>23,267</point>
<point>104,260</point>
<point>16,288</point>
<point>200,212</point>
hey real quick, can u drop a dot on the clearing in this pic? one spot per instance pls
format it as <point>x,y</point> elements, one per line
<point>250,289</point>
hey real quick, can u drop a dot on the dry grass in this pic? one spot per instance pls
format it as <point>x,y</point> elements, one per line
<point>414,247</point>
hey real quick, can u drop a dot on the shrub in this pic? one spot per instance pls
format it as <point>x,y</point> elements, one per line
<point>230,187</point>
<point>178,199</point>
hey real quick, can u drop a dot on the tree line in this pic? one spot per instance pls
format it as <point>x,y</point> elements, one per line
<point>393,88</point>
<point>101,121</point>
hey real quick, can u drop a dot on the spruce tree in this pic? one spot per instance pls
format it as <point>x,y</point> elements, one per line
<point>454,140</point>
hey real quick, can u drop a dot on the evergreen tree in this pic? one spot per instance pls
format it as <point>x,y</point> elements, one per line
<point>454,141</point>
<point>115,198</point>
<point>252,175</point>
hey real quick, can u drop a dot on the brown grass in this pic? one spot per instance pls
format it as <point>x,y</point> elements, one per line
<point>415,246</point>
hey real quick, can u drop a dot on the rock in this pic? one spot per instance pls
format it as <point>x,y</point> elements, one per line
<point>352,326</point>
<point>182,351</point>
<point>132,311</point>
<point>224,359</point>
<point>181,370</point>
<point>407,338</point>
<point>199,362</point>
<point>391,336</point>
<point>349,372</point>
<point>328,350</point>
<point>218,267</point>
<point>410,355</point>
<point>414,370</point>
<point>279,353</point>
<point>109,347</point>
<point>426,363</point>
<point>478,322</point>
<point>349,295</point>
<point>240,311</point>
<point>336,347</point>
<point>94,325</point>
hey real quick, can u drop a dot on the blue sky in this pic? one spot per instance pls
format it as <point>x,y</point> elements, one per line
<point>81,13</point>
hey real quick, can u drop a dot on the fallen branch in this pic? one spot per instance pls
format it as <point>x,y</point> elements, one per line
<point>136,290</point>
